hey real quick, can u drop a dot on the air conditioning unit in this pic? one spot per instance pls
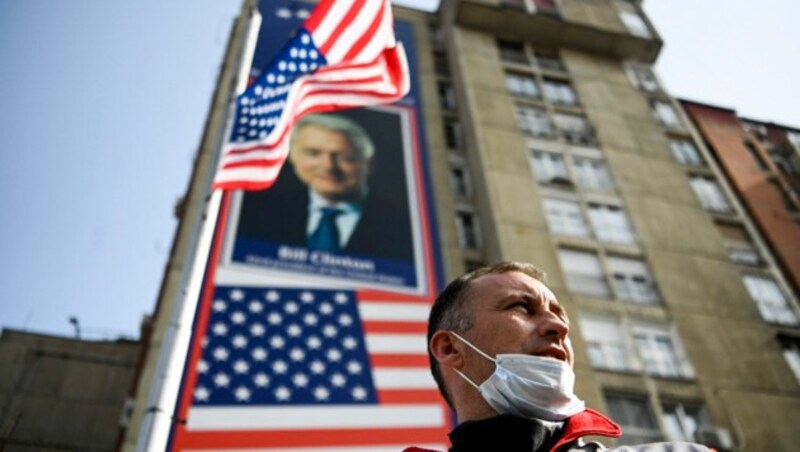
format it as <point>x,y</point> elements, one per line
<point>713,436</point>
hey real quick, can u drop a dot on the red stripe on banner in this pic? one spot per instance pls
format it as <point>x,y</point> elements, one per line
<point>409,396</point>
<point>392,360</point>
<point>239,184</point>
<point>395,327</point>
<point>257,163</point>
<point>260,147</point>
<point>371,296</point>
<point>344,24</point>
<point>362,42</point>
<point>310,438</point>
<point>319,13</point>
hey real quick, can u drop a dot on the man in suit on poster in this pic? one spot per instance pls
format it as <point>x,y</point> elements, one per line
<point>332,208</point>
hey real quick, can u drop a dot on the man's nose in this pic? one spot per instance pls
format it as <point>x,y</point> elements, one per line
<point>553,326</point>
<point>332,162</point>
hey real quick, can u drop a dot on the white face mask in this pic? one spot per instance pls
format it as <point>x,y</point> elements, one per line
<point>529,386</point>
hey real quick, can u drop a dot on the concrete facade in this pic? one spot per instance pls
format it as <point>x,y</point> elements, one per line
<point>59,394</point>
<point>726,356</point>
<point>751,156</point>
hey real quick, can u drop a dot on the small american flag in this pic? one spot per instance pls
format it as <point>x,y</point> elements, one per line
<point>345,55</point>
<point>287,367</point>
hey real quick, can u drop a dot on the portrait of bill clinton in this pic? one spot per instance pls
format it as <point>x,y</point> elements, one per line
<point>342,191</point>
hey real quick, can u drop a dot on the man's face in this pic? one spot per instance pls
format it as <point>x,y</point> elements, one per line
<point>326,161</point>
<point>514,313</point>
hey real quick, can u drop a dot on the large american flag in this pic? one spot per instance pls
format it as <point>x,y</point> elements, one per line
<point>345,55</point>
<point>287,367</point>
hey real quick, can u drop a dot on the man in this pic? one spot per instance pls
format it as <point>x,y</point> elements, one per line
<point>501,355</point>
<point>332,208</point>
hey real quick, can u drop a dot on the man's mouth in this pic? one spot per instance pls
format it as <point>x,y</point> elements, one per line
<point>554,352</point>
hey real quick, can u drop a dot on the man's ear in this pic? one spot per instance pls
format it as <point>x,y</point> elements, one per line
<point>445,351</point>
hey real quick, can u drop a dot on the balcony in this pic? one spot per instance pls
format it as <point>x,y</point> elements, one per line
<point>541,21</point>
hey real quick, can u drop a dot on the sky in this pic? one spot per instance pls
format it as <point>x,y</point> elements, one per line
<point>103,105</point>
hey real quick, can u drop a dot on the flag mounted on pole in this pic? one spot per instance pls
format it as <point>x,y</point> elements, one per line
<point>344,56</point>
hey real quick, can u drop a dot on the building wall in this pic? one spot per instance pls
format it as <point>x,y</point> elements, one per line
<point>761,188</point>
<point>737,366</point>
<point>59,393</point>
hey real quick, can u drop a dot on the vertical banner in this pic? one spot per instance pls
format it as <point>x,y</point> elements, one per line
<point>310,328</point>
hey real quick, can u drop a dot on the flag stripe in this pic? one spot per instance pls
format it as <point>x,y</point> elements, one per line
<point>381,448</point>
<point>398,378</point>
<point>360,29</point>
<point>388,359</point>
<point>389,311</point>
<point>310,438</point>
<point>322,29</point>
<point>324,417</point>
<point>396,343</point>
<point>409,396</point>
<point>396,327</point>
<point>321,11</point>
<point>343,25</point>
<point>364,48</point>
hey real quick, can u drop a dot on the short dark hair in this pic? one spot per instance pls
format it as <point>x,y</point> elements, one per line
<point>451,312</point>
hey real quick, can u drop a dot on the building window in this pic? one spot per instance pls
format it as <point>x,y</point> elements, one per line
<point>611,346</point>
<point>634,415</point>
<point>447,97</point>
<point>583,273</point>
<point>544,7</point>
<point>709,194</point>
<point>771,302</point>
<point>632,20</point>
<point>606,343</point>
<point>522,85</point>
<point>685,153</point>
<point>549,167</point>
<point>791,353</point>
<point>661,352</point>
<point>632,280</point>
<point>666,115</point>
<point>788,164</point>
<point>468,229</point>
<point>565,217</point>
<point>610,224</point>
<point>460,181</point>
<point>559,92</point>
<point>793,137</point>
<point>755,155</point>
<point>741,249</point>
<point>441,66</point>
<point>452,135</point>
<point>643,77</point>
<point>574,129</point>
<point>534,121</point>
<point>512,52</point>
<point>682,420</point>
<point>548,59</point>
<point>592,174</point>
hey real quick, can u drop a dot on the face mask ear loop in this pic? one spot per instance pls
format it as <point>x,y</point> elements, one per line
<point>467,379</point>
<point>473,347</point>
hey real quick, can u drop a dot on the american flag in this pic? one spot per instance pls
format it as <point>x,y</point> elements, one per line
<point>345,55</point>
<point>288,367</point>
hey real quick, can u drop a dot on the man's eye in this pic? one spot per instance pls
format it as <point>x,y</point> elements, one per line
<point>522,306</point>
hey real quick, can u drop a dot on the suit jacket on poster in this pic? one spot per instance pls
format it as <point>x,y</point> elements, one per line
<point>280,214</point>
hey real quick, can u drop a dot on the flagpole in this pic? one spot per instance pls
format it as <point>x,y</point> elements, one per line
<point>158,419</point>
